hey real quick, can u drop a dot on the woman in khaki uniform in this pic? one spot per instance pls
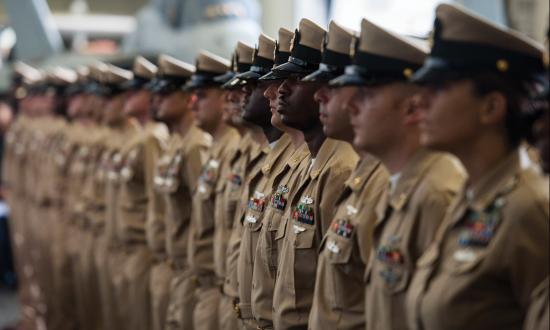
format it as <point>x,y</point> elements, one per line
<point>492,249</point>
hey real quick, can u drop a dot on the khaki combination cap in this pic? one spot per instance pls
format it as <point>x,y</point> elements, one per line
<point>208,66</point>
<point>465,43</point>
<point>381,56</point>
<point>305,52</point>
<point>60,76</point>
<point>113,80</point>
<point>144,71</point>
<point>336,54</point>
<point>264,59</point>
<point>282,52</point>
<point>172,75</point>
<point>241,61</point>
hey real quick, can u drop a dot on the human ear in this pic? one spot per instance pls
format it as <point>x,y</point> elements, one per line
<point>493,109</point>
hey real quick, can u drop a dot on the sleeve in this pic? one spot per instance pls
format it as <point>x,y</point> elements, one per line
<point>526,254</point>
<point>192,166</point>
<point>154,228</point>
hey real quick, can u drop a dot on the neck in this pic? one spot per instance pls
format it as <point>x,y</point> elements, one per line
<point>258,135</point>
<point>396,157</point>
<point>314,138</point>
<point>481,156</point>
<point>143,118</point>
<point>271,133</point>
<point>296,137</point>
<point>182,125</point>
<point>120,125</point>
<point>219,131</point>
<point>240,129</point>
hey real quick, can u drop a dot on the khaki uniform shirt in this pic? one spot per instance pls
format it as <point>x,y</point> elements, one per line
<point>256,197</point>
<point>201,237</point>
<point>311,210</point>
<point>12,138</point>
<point>81,136</point>
<point>247,167</point>
<point>488,257</point>
<point>176,177</point>
<point>228,192</point>
<point>135,193</point>
<point>538,315</point>
<point>94,188</point>
<point>114,166</point>
<point>407,220</point>
<point>87,201</point>
<point>338,302</point>
<point>271,234</point>
<point>56,161</point>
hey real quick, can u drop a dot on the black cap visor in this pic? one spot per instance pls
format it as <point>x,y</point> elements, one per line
<point>202,80</point>
<point>325,73</point>
<point>355,75</point>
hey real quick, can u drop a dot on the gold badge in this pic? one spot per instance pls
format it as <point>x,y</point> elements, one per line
<point>408,72</point>
<point>502,65</point>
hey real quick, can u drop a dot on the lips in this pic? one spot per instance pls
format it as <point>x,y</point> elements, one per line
<point>282,107</point>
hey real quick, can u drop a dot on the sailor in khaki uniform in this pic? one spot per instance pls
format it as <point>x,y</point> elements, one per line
<point>422,183</point>
<point>138,155</point>
<point>46,131</point>
<point>281,180</point>
<point>109,257</point>
<point>176,174</point>
<point>93,206</point>
<point>311,206</point>
<point>258,174</point>
<point>228,191</point>
<point>538,315</point>
<point>155,279</point>
<point>208,106</point>
<point>344,252</point>
<point>83,239</point>
<point>492,250</point>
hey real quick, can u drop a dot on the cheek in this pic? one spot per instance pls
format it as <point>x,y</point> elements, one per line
<point>453,111</point>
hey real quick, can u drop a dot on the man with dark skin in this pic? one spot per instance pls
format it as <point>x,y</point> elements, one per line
<point>312,205</point>
<point>256,111</point>
<point>298,109</point>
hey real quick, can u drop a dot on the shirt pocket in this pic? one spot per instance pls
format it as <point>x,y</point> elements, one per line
<point>341,276</point>
<point>274,242</point>
<point>464,261</point>
<point>305,256</point>
<point>253,221</point>
<point>337,250</point>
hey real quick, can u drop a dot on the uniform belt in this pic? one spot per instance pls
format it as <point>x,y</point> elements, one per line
<point>131,246</point>
<point>245,311</point>
<point>177,265</point>
<point>265,327</point>
<point>159,257</point>
<point>205,281</point>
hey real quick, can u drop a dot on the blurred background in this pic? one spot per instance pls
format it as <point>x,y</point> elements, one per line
<point>70,32</point>
<point>49,33</point>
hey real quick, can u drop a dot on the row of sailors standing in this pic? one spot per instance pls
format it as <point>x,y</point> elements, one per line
<point>296,187</point>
